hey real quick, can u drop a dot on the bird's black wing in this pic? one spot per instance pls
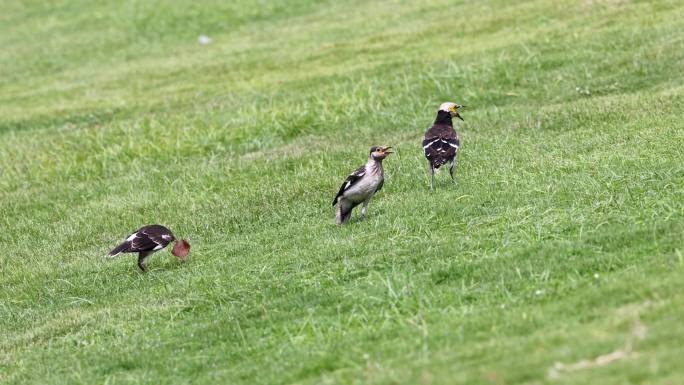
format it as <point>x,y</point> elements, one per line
<point>150,238</point>
<point>136,242</point>
<point>440,149</point>
<point>141,242</point>
<point>350,181</point>
<point>146,238</point>
<point>158,234</point>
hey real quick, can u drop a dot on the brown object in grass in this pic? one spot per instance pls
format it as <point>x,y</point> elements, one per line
<point>181,248</point>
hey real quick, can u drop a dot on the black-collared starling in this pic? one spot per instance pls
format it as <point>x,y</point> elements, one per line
<point>441,141</point>
<point>150,239</point>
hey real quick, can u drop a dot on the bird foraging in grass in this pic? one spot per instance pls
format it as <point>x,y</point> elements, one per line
<point>361,184</point>
<point>150,239</point>
<point>441,141</point>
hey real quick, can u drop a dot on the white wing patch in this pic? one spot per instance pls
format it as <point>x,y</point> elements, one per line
<point>443,141</point>
<point>132,237</point>
<point>358,174</point>
<point>158,247</point>
<point>430,144</point>
<point>166,237</point>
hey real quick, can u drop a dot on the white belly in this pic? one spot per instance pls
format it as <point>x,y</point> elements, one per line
<point>363,189</point>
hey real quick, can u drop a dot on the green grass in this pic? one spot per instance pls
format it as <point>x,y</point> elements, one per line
<point>560,243</point>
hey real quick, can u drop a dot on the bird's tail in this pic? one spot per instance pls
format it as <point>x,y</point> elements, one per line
<point>122,248</point>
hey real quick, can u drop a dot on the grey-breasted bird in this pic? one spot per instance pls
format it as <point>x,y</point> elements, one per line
<point>441,141</point>
<point>361,185</point>
<point>150,239</point>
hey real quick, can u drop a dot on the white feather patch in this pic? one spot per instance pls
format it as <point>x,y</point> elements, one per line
<point>430,144</point>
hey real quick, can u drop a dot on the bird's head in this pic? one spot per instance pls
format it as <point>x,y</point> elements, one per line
<point>379,152</point>
<point>451,108</point>
<point>181,248</point>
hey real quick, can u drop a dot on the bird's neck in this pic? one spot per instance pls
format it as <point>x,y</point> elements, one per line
<point>374,166</point>
<point>443,117</point>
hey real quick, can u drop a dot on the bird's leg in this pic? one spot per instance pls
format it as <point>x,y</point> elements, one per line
<point>364,207</point>
<point>141,261</point>
<point>432,178</point>
<point>451,170</point>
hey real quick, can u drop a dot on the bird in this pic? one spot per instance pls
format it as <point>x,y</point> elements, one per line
<point>361,185</point>
<point>150,239</point>
<point>441,141</point>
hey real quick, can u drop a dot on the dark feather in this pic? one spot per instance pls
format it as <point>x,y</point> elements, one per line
<point>143,243</point>
<point>158,234</point>
<point>122,248</point>
<point>146,238</point>
<point>350,181</point>
<point>440,144</point>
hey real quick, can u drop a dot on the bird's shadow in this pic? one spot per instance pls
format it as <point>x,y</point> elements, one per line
<point>173,265</point>
<point>152,268</point>
<point>356,219</point>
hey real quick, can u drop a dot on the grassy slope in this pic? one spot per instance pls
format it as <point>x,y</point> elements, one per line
<point>561,242</point>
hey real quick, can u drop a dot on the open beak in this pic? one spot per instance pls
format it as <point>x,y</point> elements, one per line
<point>456,114</point>
<point>386,148</point>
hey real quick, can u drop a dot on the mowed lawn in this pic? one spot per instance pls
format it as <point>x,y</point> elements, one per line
<point>557,257</point>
